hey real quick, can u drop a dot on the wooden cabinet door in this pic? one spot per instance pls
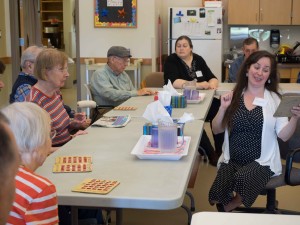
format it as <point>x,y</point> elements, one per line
<point>294,75</point>
<point>275,12</point>
<point>295,12</point>
<point>284,74</point>
<point>243,12</point>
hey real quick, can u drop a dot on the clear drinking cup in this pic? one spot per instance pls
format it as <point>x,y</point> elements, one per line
<point>188,88</point>
<point>167,137</point>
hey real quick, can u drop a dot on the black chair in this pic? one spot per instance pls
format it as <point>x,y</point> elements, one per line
<point>153,79</point>
<point>290,176</point>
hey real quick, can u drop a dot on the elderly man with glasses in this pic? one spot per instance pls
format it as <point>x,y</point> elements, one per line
<point>25,79</point>
<point>111,85</point>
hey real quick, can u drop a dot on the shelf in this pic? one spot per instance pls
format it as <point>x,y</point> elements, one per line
<point>52,11</point>
<point>48,21</point>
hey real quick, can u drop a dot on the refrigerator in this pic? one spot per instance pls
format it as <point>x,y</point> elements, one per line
<point>204,25</point>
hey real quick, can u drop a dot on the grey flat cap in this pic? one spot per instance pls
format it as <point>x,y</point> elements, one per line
<point>118,51</point>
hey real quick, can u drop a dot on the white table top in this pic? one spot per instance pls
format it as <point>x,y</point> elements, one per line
<point>207,218</point>
<point>284,88</point>
<point>199,110</point>
<point>145,184</point>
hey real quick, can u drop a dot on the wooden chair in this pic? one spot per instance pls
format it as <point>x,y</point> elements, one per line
<point>154,79</point>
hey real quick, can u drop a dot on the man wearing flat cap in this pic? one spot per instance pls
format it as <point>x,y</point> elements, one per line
<point>111,85</point>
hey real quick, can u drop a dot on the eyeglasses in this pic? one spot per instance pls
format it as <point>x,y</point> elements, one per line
<point>52,134</point>
<point>62,70</point>
<point>124,60</point>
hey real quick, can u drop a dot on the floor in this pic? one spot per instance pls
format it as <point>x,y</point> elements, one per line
<point>288,197</point>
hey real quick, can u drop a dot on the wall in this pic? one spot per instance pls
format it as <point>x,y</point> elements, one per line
<point>5,29</point>
<point>288,35</point>
<point>142,41</point>
<point>94,42</point>
<point>69,28</point>
<point>5,51</point>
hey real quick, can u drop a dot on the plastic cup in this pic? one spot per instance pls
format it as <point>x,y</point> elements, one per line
<point>195,95</point>
<point>187,93</point>
<point>167,137</point>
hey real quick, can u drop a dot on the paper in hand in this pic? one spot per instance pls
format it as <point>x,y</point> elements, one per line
<point>286,105</point>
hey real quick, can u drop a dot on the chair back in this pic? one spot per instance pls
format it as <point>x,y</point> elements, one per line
<point>88,91</point>
<point>154,79</point>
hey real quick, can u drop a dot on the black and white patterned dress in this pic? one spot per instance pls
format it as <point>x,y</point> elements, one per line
<point>242,174</point>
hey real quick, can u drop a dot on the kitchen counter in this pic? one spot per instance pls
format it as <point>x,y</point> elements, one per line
<point>288,65</point>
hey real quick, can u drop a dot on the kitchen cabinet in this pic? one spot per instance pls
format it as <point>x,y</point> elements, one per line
<point>295,12</point>
<point>263,12</point>
<point>243,12</point>
<point>294,75</point>
<point>289,74</point>
<point>52,26</point>
<point>275,12</point>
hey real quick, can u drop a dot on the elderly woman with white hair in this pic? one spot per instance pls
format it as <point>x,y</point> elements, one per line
<point>36,198</point>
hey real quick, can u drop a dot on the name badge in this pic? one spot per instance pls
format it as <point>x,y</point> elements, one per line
<point>260,102</point>
<point>199,73</point>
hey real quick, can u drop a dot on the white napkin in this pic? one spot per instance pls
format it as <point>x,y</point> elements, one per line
<point>156,111</point>
<point>186,117</point>
<point>169,88</point>
<point>164,97</point>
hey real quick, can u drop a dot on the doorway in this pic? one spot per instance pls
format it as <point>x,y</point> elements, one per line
<point>25,23</point>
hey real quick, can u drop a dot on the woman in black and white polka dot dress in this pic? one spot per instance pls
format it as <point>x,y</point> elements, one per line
<point>250,151</point>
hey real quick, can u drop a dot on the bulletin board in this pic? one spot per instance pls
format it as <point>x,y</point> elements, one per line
<point>115,13</point>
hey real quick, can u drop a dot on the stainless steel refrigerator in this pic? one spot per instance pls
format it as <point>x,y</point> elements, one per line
<point>205,28</point>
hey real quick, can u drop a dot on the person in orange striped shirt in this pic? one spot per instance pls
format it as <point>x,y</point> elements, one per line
<point>35,198</point>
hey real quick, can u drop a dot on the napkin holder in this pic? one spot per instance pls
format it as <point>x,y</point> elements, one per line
<point>178,101</point>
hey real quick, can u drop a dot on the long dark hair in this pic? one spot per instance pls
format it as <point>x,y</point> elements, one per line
<point>242,82</point>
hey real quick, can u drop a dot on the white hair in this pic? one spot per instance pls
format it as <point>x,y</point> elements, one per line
<point>30,124</point>
<point>30,54</point>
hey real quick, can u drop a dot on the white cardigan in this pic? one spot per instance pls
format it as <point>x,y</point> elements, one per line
<point>270,155</point>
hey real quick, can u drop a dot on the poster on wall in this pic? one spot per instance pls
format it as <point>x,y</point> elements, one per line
<point>115,13</point>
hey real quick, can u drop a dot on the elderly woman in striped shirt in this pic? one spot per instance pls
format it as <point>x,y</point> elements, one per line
<point>52,72</point>
<point>35,199</point>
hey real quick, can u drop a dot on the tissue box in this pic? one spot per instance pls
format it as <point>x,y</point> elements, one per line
<point>147,129</point>
<point>178,101</point>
